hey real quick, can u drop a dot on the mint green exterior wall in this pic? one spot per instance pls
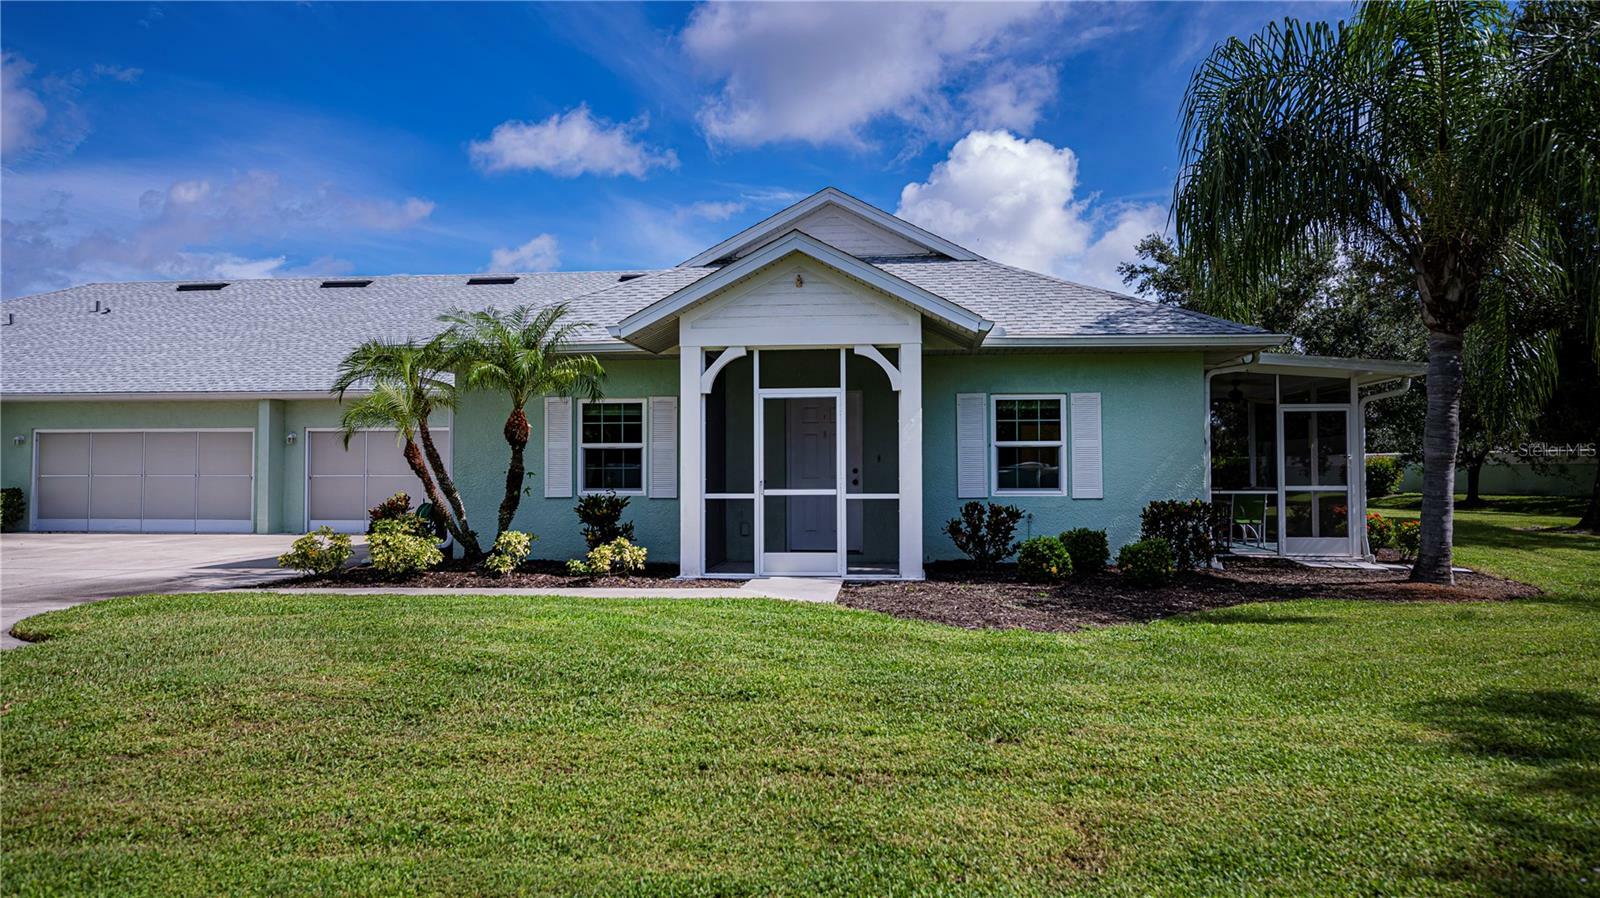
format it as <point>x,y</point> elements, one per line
<point>481,456</point>
<point>1152,435</point>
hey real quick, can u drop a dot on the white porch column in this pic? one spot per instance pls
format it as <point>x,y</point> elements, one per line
<point>691,440</point>
<point>911,461</point>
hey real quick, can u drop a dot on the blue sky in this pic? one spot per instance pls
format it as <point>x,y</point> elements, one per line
<point>146,141</point>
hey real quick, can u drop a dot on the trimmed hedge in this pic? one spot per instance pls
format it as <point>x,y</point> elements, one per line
<point>1044,559</point>
<point>1147,562</point>
<point>1089,550</point>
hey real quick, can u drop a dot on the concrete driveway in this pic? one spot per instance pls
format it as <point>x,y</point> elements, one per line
<point>44,571</point>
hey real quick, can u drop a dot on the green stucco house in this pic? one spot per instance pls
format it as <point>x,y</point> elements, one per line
<point>815,395</point>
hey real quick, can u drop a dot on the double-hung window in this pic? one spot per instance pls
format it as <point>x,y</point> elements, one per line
<point>1028,443</point>
<point>612,445</point>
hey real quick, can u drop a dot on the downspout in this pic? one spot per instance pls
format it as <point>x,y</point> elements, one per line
<point>1361,422</point>
<point>1245,361</point>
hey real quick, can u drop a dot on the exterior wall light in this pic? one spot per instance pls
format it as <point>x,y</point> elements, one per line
<point>290,437</point>
<point>19,439</point>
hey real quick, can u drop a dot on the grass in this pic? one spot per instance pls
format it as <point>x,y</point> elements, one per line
<point>197,745</point>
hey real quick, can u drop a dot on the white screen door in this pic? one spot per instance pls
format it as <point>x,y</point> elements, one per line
<point>1316,481</point>
<point>800,450</point>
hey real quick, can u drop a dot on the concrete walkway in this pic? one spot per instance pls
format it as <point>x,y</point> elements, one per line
<point>42,572</point>
<point>794,589</point>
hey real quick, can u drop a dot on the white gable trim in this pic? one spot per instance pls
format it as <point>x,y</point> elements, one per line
<point>637,328</point>
<point>784,221</point>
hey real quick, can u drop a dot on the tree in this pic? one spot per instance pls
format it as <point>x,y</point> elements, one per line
<point>522,353</point>
<point>1421,130</point>
<point>406,388</point>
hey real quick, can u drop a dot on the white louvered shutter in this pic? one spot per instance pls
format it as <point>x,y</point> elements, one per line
<point>972,446</point>
<point>557,447</point>
<point>664,447</point>
<point>1087,482</point>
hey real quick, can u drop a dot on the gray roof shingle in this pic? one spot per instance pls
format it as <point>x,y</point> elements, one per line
<point>288,335</point>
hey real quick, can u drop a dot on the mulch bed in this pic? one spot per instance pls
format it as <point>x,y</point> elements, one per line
<point>953,594</point>
<point>457,574</point>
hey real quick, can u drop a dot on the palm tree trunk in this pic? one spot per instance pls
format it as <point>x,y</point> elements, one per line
<point>516,434</point>
<point>419,467</point>
<point>447,486</point>
<point>1441,437</point>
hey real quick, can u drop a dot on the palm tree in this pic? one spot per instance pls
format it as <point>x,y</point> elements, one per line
<point>406,388</point>
<point>1421,130</point>
<point>521,353</point>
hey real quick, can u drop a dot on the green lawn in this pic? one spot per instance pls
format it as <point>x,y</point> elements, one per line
<point>256,744</point>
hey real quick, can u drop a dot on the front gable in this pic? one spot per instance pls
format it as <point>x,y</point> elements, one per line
<point>797,301</point>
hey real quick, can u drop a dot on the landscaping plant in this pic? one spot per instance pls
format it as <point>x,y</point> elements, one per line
<point>1408,538</point>
<point>511,548</point>
<point>523,354</point>
<point>1043,559</point>
<point>319,552</point>
<point>1147,562</point>
<point>1190,529</point>
<point>619,556</point>
<point>601,514</point>
<point>397,505</point>
<point>401,546</point>
<point>1383,476</point>
<point>13,507</point>
<point>1089,550</point>
<point>1380,531</point>
<point>985,534</point>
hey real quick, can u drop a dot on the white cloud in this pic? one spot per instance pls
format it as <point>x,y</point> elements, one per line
<point>188,229</point>
<point>570,144</point>
<point>542,253</point>
<point>125,74</point>
<point>1015,201</point>
<point>820,73</point>
<point>22,113</point>
<point>1011,97</point>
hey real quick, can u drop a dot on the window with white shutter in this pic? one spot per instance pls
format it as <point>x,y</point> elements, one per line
<point>557,447</point>
<point>972,446</point>
<point>1087,481</point>
<point>663,447</point>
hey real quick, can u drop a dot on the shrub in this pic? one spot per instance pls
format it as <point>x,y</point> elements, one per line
<point>985,534</point>
<point>616,557</point>
<point>1383,475</point>
<point>1044,559</point>
<point>1089,550</point>
<point>1147,562</point>
<point>1190,529</point>
<point>13,507</point>
<point>400,546</point>
<point>601,514</point>
<point>396,506</point>
<point>319,552</point>
<point>510,550</point>
<point>1380,531</point>
<point>1408,539</point>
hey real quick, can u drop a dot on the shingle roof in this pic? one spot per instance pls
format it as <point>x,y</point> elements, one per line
<point>288,335</point>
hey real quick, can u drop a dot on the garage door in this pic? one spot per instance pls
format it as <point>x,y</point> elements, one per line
<point>342,483</point>
<point>156,481</point>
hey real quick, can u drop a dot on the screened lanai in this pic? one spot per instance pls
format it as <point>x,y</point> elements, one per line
<point>1287,442</point>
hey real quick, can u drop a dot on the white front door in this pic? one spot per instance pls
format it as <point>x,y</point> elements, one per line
<point>800,456</point>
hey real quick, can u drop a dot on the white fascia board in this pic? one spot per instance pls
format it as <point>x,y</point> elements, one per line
<point>175,396</point>
<point>781,221</point>
<point>931,304</point>
<point>1128,341</point>
<point>1333,363</point>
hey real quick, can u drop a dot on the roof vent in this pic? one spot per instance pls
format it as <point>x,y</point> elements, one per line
<point>185,288</point>
<point>481,282</point>
<point>346,283</point>
<point>628,277</point>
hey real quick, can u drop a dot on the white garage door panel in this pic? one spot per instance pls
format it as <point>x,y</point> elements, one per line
<point>342,484</point>
<point>177,481</point>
